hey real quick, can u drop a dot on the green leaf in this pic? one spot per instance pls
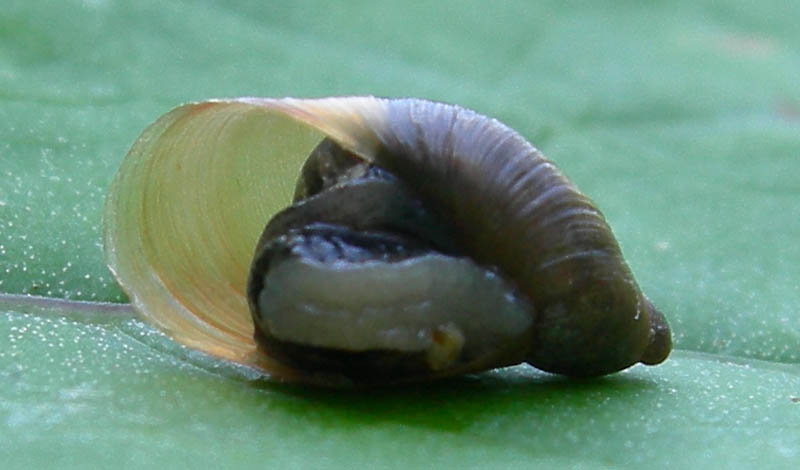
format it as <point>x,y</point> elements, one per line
<point>680,119</point>
<point>99,387</point>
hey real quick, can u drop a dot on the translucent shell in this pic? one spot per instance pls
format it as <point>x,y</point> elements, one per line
<point>191,198</point>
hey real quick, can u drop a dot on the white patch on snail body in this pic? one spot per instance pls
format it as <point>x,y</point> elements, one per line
<point>448,341</point>
<point>397,306</point>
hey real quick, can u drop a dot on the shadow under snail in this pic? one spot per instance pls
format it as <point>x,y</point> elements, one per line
<point>424,240</point>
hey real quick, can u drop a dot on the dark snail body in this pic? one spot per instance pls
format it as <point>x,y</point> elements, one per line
<point>424,240</point>
<point>354,219</point>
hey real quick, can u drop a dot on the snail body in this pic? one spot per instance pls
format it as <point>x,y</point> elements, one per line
<point>424,240</point>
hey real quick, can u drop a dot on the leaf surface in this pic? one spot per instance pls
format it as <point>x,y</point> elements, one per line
<point>680,119</point>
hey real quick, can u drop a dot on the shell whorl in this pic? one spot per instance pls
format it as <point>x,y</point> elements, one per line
<point>511,208</point>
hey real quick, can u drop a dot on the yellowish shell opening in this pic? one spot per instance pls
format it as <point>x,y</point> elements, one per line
<point>186,209</point>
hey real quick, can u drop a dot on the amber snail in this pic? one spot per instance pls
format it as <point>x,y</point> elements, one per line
<point>424,240</point>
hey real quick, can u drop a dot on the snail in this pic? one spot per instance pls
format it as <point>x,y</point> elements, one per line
<point>422,240</point>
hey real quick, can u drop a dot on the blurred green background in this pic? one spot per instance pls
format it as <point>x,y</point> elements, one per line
<point>681,119</point>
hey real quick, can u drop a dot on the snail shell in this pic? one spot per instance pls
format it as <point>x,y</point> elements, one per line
<point>425,240</point>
